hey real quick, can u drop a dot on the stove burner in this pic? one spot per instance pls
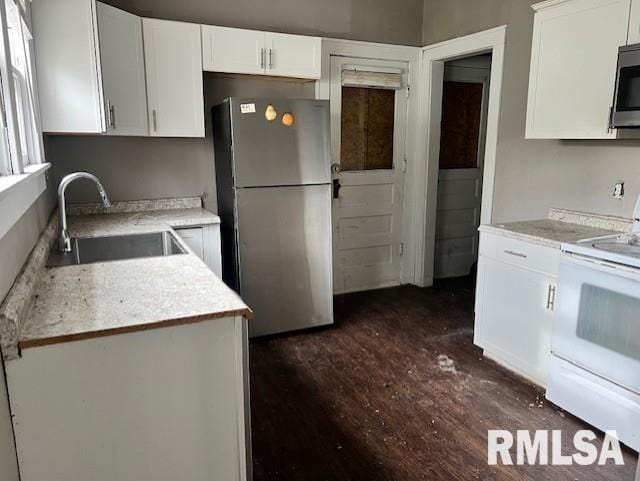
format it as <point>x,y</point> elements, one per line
<point>625,249</point>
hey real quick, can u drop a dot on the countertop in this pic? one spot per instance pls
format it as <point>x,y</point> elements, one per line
<point>561,227</point>
<point>84,301</point>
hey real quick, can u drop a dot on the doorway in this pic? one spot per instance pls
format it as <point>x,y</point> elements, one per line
<point>465,95</point>
<point>368,103</point>
<point>434,59</point>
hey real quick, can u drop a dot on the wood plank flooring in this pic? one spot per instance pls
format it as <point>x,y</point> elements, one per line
<point>396,391</point>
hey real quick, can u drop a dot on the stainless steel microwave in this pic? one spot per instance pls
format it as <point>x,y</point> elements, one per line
<point>626,101</point>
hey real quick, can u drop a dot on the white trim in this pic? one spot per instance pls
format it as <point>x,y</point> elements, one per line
<point>19,192</point>
<point>433,58</point>
<point>547,4</point>
<point>413,149</point>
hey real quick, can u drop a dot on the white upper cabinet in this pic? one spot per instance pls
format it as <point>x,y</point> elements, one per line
<point>123,77</point>
<point>68,66</point>
<point>634,23</point>
<point>293,55</point>
<point>173,58</point>
<point>90,68</point>
<point>573,67</point>
<point>234,50</point>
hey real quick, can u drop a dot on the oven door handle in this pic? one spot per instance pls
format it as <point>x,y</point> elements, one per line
<point>551,297</point>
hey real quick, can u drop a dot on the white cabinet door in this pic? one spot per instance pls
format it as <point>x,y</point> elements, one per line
<point>233,50</point>
<point>293,55</point>
<point>634,24</point>
<point>573,67</point>
<point>68,66</point>
<point>173,58</point>
<point>123,77</point>
<point>193,237</point>
<point>205,243</point>
<point>514,313</point>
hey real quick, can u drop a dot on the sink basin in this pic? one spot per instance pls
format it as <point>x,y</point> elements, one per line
<point>113,248</point>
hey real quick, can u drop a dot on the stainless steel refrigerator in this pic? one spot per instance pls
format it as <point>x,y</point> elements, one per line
<point>273,180</point>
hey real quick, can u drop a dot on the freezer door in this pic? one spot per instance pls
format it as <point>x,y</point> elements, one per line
<point>285,257</point>
<point>270,153</point>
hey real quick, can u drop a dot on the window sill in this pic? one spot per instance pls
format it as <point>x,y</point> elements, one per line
<point>19,192</point>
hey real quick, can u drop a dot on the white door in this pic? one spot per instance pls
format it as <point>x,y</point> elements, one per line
<point>293,55</point>
<point>462,141</point>
<point>368,132</point>
<point>233,50</point>
<point>123,76</point>
<point>173,56</point>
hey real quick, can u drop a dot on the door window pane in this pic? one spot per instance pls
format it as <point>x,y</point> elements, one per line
<point>367,126</point>
<point>460,127</point>
<point>610,319</point>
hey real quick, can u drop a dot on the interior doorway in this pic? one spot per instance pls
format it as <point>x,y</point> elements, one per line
<point>434,59</point>
<point>465,96</point>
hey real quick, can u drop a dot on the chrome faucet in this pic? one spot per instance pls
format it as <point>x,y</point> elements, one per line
<point>64,243</point>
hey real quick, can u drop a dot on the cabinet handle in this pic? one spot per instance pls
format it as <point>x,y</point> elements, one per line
<point>154,118</point>
<point>262,57</point>
<point>108,112</point>
<point>270,58</point>
<point>112,116</point>
<point>551,297</point>
<point>516,254</point>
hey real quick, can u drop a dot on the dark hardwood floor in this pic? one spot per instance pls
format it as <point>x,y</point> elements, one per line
<point>396,390</point>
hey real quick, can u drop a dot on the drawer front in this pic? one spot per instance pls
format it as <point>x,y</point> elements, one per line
<point>520,253</point>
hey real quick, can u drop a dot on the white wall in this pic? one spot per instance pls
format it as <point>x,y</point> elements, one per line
<point>385,21</point>
<point>533,175</point>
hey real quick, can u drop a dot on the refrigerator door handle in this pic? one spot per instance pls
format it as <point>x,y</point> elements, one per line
<point>336,188</point>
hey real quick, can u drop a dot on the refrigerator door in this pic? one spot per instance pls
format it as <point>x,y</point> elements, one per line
<point>285,257</point>
<point>270,153</point>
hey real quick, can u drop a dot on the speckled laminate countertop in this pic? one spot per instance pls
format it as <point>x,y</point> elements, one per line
<point>562,226</point>
<point>52,305</point>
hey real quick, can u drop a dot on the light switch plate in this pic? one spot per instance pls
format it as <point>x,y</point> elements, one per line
<point>618,190</point>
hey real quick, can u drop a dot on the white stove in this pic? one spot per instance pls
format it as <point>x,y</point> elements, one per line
<point>595,366</point>
<point>622,249</point>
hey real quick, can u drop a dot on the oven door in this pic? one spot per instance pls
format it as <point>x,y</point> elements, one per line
<point>597,319</point>
<point>626,109</point>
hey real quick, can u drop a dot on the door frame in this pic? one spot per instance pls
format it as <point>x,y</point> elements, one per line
<point>413,147</point>
<point>433,59</point>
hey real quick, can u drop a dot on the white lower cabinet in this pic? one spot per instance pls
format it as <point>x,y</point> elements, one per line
<point>204,241</point>
<point>514,304</point>
<point>154,405</point>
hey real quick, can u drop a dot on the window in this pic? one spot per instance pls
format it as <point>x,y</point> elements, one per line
<point>460,127</point>
<point>21,142</point>
<point>367,119</point>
